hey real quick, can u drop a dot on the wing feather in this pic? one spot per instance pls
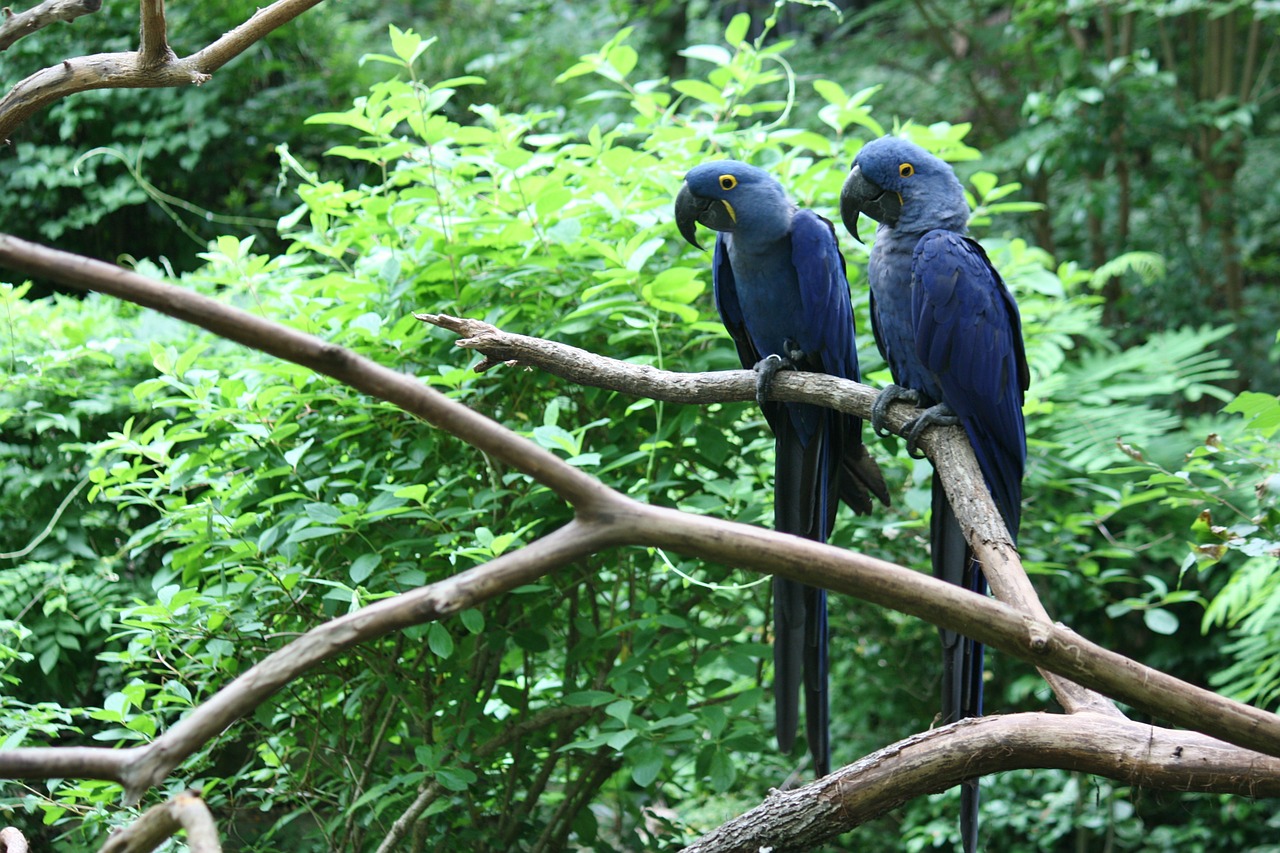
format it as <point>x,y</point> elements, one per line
<point>824,294</point>
<point>968,334</point>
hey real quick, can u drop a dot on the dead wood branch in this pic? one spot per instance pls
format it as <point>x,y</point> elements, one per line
<point>153,66</point>
<point>19,24</point>
<point>947,447</point>
<point>939,759</point>
<point>187,812</point>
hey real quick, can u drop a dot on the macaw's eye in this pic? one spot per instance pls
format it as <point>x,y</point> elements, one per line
<point>728,182</point>
<point>906,170</point>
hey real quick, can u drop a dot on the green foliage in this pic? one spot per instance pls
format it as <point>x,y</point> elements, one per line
<point>1229,482</point>
<point>234,501</point>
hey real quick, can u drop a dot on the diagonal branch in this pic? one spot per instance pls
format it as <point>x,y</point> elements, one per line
<point>939,759</point>
<point>15,26</point>
<point>187,812</point>
<point>139,768</point>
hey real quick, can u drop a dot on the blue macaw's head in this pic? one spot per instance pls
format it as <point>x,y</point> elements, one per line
<point>899,184</point>
<point>726,195</point>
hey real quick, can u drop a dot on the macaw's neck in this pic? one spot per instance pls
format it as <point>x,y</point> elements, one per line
<point>760,227</point>
<point>752,249</point>
<point>918,219</point>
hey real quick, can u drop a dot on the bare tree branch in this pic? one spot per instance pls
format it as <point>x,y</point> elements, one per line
<point>15,26</point>
<point>185,812</point>
<point>155,66</point>
<point>154,50</point>
<point>605,519</point>
<point>939,759</point>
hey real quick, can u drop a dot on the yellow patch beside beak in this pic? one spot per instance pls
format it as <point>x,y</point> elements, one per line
<point>729,208</point>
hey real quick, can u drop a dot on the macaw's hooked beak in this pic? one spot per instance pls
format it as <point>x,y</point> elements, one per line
<point>859,195</point>
<point>692,209</point>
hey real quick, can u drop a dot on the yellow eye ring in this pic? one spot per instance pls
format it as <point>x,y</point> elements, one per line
<point>906,170</point>
<point>728,182</point>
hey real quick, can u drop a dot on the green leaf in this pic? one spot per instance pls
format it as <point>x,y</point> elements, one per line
<point>362,567</point>
<point>472,620</point>
<point>620,710</point>
<point>619,740</point>
<point>1260,411</point>
<point>983,182</point>
<point>830,91</point>
<point>649,763</point>
<point>623,59</point>
<point>736,32</point>
<point>1160,621</point>
<point>589,698</point>
<point>713,53</point>
<point>408,45</point>
<point>722,771</point>
<point>439,640</point>
<point>701,91</point>
<point>455,778</point>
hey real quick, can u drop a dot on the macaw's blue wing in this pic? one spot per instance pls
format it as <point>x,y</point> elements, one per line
<point>725,289</point>
<point>829,336</point>
<point>824,296</point>
<point>968,335</point>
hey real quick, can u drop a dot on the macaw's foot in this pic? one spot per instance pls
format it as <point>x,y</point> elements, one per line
<point>766,369</point>
<point>939,415</point>
<point>886,398</point>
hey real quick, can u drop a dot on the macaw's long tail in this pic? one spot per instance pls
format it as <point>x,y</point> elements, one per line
<point>805,494</point>
<point>800,657</point>
<point>961,657</point>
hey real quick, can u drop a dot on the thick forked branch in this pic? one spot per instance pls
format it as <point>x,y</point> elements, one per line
<point>942,758</point>
<point>186,812</point>
<point>16,25</point>
<point>607,519</point>
<point>154,66</point>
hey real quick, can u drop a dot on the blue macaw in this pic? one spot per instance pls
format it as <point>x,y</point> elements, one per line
<point>781,291</point>
<point>950,331</point>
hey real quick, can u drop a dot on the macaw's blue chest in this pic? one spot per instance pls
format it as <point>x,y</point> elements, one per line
<point>892,313</point>
<point>769,294</point>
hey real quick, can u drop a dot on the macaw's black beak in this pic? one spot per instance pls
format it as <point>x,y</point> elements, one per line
<point>689,209</point>
<point>692,209</point>
<point>859,195</point>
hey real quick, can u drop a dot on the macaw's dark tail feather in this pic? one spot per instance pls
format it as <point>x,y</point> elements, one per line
<point>969,804</point>
<point>804,504</point>
<point>788,658</point>
<point>800,657</point>
<point>860,477</point>
<point>817,708</point>
<point>961,656</point>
